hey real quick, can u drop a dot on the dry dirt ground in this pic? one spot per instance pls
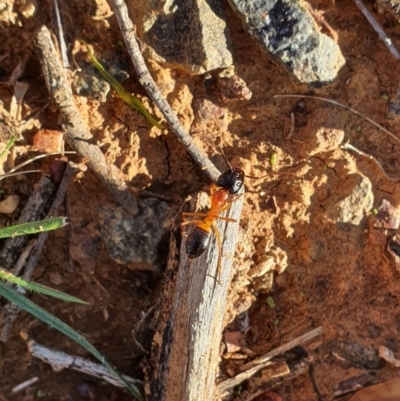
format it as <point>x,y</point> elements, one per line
<point>339,273</point>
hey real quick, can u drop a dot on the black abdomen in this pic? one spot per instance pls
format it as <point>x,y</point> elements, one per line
<point>197,242</point>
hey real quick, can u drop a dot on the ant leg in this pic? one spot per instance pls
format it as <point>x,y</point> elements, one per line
<point>226,219</point>
<point>186,223</point>
<point>219,247</point>
<point>194,214</point>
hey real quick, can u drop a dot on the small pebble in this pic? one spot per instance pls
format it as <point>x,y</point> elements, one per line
<point>9,204</point>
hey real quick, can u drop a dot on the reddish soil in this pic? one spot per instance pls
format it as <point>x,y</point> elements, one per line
<point>338,275</point>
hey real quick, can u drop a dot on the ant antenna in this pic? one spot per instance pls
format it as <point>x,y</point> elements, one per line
<point>223,154</point>
<point>221,143</point>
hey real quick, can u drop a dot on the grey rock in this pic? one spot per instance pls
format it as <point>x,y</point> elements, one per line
<point>136,241</point>
<point>187,34</point>
<point>355,200</point>
<point>288,31</point>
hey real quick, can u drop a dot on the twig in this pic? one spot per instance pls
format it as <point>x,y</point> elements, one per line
<point>60,360</point>
<point>11,311</point>
<point>12,171</point>
<point>146,80</point>
<point>347,146</point>
<point>378,29</point>
<point>24,385</point>
<point>344,107</point>
<point>259,363</point>
<point>77,135</point>
<point>60,34</point>
<point>8,175</point>
<point>291,132</point>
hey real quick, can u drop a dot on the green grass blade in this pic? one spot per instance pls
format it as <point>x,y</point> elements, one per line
<point>125,96</point>
<point>46,317</point>
<point>33,227</point>
<point>39,288</point>
<point>8,146</point>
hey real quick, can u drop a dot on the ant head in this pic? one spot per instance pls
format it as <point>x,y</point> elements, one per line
<point>231,180</point>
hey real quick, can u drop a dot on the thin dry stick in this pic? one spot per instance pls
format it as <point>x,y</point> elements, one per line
<point>60,34</point>
<point>77,135</point>
<point>60,360</point>
<point>146,80</point>
<point>253,367</point>
<point>24,385</point>
<point>343,107</point>
<point>347,146</point>
<point>378,29</point>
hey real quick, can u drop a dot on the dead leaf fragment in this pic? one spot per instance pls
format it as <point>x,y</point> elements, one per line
<point>232,341</point>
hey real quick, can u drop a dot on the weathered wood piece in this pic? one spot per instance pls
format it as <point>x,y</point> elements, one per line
<point>77,135</point>
<point>188,361</point>
<point>60,360</point>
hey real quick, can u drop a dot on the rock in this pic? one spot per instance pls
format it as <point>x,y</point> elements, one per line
<point>288,31</point>
<point>232,87</point>
<point>136,241</point>
<point>186,34</point>
<point>355,199</point>
<point>28,8</point>
<point>207,115</point>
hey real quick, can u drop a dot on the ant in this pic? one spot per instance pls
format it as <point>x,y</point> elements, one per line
<point>222,195</point>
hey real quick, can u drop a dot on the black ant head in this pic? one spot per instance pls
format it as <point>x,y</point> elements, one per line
<point>231,180</point>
